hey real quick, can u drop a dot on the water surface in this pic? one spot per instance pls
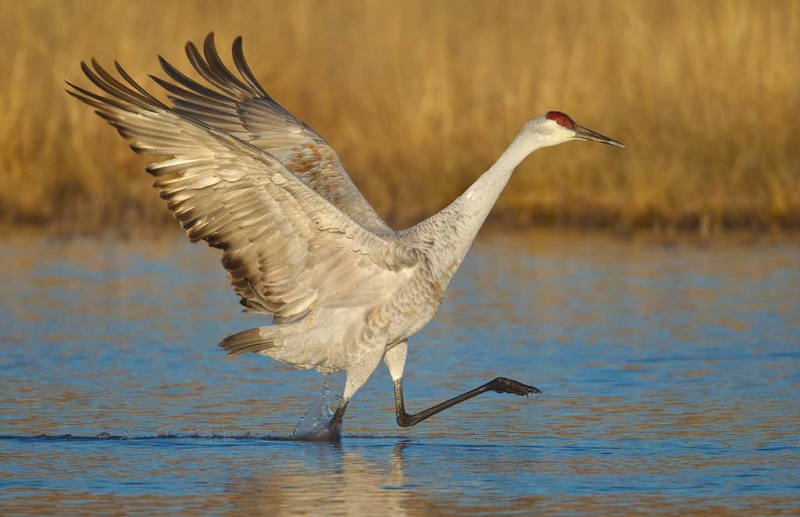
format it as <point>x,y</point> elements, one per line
<point>670,379</point>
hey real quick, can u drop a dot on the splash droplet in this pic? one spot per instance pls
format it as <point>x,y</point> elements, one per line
<point>316,423</point>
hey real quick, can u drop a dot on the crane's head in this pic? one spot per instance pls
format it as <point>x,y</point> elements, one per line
<point>555,127</point>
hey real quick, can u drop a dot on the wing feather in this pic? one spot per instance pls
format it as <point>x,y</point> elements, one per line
<point>241,107</point>
<point>274,230</point>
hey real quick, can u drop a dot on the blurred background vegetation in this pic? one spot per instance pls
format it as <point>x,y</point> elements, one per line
<point>421,97</point>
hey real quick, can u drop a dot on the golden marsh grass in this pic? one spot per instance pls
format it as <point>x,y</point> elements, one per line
<point>419,98</point>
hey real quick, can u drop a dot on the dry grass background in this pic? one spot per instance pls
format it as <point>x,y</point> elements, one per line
<point>420,97</point>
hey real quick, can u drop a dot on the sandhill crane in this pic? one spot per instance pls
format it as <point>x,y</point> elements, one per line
<point>299,241</point>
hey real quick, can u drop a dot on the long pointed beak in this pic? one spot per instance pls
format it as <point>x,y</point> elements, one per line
<point>582,133</point>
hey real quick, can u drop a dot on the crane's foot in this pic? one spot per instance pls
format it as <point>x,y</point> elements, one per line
<point>503,385</point>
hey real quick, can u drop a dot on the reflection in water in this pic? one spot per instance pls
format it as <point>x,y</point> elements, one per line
<point>669,376</point>
<point>360,476</point>
<point>342,482</point>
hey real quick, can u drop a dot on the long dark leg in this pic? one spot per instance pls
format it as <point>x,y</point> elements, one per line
<point>338,415</point>
<point>357,374</point>
<point>500,385</point>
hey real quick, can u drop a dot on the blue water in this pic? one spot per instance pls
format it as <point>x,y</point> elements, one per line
<point>670,378</point>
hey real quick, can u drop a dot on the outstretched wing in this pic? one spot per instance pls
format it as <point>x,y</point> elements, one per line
<point>241,107</point>
<point>286,248</point>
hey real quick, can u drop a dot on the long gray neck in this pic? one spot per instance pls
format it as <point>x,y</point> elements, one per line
<point>450,232</point>
<point>475,204</point>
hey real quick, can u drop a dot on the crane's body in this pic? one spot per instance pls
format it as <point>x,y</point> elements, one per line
<point>299,241</point>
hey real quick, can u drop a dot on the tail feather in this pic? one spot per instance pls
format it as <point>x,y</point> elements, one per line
<point>251,340</point>
<point>304,344</point>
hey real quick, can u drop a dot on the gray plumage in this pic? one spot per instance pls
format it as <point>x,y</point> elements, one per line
<point>299,241</point>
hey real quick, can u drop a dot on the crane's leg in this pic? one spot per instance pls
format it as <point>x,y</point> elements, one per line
<point>357,375</point>
<point>395,358</point>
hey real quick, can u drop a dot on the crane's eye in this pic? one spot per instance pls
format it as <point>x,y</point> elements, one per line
<point>560,122</point>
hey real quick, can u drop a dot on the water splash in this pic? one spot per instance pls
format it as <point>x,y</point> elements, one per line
<point>316,423</point>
